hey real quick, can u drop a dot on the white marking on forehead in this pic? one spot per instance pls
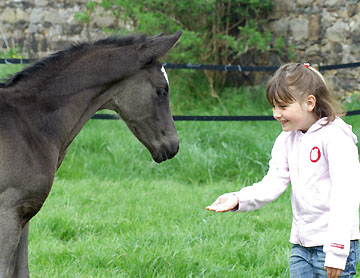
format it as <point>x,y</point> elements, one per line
<point>164,73</point>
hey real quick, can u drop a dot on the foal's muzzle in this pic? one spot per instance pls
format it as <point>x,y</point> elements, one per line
<point>165,151</point>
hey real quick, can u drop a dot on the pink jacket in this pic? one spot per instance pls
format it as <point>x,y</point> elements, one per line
<point>323,167</point>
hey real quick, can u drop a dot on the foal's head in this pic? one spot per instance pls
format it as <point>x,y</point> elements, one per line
<point>142,100</point>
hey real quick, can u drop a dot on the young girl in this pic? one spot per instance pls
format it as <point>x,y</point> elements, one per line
<point>316,152</point>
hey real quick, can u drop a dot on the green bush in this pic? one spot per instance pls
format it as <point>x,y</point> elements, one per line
<point>215,32</point>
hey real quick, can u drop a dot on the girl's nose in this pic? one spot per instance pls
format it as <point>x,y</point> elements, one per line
<point>276,114</point>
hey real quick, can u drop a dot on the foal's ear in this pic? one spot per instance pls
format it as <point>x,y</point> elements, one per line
<point>157,46</point>
<point>156,36</point>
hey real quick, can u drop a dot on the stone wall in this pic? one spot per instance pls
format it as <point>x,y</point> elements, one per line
<point>322,32</point>
<point>40,27</point>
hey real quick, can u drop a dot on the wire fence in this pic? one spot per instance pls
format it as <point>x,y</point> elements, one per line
<point>238,68</point>
<point>230,68</point>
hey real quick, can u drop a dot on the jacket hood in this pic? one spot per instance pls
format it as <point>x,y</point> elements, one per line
<point>347,129</point>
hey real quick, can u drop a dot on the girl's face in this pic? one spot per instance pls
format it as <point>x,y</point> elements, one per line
<point>298,115</point>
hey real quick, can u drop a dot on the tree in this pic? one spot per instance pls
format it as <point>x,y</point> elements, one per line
<point>215,31</point>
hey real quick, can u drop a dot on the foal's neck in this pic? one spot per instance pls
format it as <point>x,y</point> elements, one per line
<point>60,106</point>
<point>77,110</point>
<point>55,116</point>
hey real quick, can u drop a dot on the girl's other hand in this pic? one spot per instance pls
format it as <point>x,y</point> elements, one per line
<point>333,272</point>
<point>224,203</point>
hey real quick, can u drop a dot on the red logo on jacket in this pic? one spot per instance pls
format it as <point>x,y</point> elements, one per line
<point>315,154</point>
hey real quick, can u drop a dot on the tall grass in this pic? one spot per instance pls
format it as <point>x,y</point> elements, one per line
<point>113,212</point>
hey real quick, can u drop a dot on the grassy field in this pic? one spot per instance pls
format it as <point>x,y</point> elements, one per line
<point>113,212</point>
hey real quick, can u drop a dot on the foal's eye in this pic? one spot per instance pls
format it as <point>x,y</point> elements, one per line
<point>161,91</point>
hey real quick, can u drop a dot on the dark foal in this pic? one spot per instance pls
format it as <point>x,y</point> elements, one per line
<point>45,106</point>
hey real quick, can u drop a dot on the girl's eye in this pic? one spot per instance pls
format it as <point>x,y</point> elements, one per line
<point>281,107</point>
<point>162,92</point>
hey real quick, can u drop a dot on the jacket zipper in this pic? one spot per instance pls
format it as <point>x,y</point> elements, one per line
<point>296,200</point>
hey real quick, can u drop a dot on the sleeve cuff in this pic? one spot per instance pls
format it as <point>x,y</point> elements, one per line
<point>335,261</point>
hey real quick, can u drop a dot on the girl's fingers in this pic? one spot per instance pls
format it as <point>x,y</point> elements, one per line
<point>219,207</point>
<point>216,203</point>
<point>210,208</point>
<point>213,207</point>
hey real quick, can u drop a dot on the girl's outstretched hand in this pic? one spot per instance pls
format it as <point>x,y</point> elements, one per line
<point>224,203</point>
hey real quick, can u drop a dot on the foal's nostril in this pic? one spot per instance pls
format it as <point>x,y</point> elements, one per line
<point>163,133</point>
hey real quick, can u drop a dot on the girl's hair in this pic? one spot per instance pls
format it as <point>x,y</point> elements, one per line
<point>294,82</point>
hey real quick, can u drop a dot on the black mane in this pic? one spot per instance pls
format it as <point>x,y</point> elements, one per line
<point>66,56</point>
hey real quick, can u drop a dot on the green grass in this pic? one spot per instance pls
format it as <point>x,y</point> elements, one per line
<point>7,70</point>
<point>113,212</point>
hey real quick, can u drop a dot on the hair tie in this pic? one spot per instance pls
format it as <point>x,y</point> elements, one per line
<point>307,65</point>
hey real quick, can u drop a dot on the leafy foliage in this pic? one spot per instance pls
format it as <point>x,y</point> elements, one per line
<point>11,53</point>
<point>215,32</point>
